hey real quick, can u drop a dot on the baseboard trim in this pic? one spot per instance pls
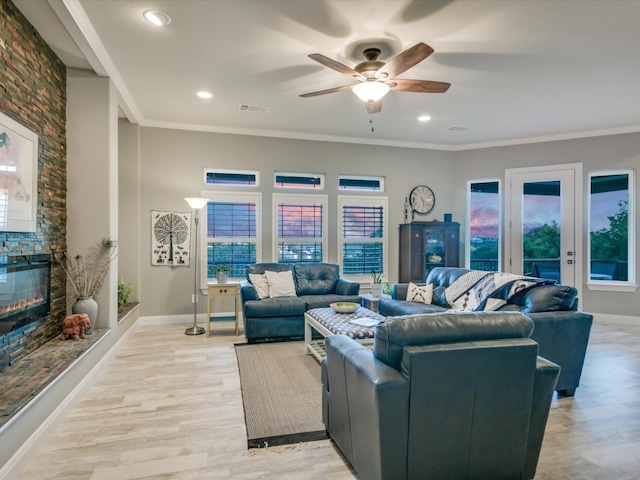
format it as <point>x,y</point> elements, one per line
<point>609,319</point>
<point>181,319</point>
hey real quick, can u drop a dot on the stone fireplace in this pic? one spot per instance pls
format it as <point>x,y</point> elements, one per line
<point>25,302</point>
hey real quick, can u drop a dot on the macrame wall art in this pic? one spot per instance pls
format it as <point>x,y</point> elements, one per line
<point>170,239</point>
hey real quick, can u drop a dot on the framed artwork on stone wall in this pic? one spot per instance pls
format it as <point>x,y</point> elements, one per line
<point>18,176</point>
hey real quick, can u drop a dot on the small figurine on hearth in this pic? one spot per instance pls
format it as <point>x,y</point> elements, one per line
<point>75,325</point>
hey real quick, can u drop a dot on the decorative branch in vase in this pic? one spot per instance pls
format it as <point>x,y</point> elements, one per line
<point>86,275</point>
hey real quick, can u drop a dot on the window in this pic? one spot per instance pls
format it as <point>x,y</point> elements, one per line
<point>611,227</point>
<point>236,178</point>
<point>484,225</point>
<point>300,228</point>
<point>362,235</point>
<point>299,180</point>
<point>358,182</point>
<point>233,231</point>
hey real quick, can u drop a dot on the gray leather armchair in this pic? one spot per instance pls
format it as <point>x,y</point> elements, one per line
<point>441,396</point>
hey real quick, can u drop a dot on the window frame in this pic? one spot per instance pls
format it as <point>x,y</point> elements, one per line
<point>628,285</point>
<point>365,201</point>
<point>297,199</point>
<point>232,197</point>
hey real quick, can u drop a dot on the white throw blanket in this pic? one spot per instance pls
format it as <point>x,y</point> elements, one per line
<point>486,291</point>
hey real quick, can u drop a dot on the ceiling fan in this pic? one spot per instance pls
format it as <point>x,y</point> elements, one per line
<point>377,78</point>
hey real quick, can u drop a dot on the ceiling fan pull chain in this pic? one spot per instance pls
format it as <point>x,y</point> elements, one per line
<point>371,123</point>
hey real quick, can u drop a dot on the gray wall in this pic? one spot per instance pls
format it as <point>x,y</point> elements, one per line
<point>595,153</point>
<point>172,163</point>
<point>129,235</point>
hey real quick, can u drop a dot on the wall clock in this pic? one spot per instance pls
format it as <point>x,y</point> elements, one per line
<point>422,199</point>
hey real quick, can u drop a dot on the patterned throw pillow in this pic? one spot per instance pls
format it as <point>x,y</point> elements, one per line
<point>281,284</point>
<point>423,294</point>
<point>261,285</point>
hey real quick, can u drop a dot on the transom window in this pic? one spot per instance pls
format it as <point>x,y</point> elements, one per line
<point>360,183</point>
<point>299,180</point>
<point>236,178</point>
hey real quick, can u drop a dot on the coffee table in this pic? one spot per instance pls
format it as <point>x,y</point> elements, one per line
<point>326,321</point>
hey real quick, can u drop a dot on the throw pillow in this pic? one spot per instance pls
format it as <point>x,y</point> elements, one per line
<point>281,284</point>
<point>423,294</point>
<point>261,285</point>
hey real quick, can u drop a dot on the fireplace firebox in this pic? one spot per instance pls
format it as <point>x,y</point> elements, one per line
<point>25,285</point>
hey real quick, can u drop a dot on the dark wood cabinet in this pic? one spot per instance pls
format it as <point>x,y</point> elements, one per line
<point>425,245</point>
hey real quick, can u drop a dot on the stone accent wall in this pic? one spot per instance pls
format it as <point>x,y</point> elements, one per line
<point>33,93</point>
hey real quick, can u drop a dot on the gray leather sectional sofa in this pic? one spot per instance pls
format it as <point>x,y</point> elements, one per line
<point>561,331</point>
<point>443,395</point>
<point>317,285</point>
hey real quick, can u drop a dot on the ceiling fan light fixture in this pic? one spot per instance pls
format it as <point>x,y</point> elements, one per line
<point>159,19</point>
<point>370,91</point>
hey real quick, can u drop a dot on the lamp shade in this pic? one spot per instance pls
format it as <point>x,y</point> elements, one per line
<point>370,91</point>
<point>197,203</point>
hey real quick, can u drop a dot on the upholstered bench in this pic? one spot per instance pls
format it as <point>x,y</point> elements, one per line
<point>326,321</point>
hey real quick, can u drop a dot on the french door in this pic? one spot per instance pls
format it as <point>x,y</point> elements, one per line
<point>543,208</point>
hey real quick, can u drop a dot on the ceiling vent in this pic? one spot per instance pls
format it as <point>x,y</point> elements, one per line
<point>244,107</point>
<point>456,128</point>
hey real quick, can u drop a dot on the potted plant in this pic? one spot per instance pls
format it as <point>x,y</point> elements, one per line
<point>376,285</point>
<point>222,271</point>
<point>124,292</point>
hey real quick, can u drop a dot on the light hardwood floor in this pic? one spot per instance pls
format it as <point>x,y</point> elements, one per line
<point>168,406</point>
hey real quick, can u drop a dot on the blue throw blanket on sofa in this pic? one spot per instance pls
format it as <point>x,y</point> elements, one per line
<point>487,291</point>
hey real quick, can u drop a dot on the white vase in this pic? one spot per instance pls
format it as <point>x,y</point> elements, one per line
<point>221,277</point>
<point>89,306</point>
<point>376,289</point>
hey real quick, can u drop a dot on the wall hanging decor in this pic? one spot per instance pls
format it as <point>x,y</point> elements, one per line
<point>18,176</point>
<point>170,238</point>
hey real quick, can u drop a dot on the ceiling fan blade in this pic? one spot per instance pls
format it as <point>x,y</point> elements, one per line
<point>329,90</point>
<point>419,86</point>
<point>374,107</point>
<point>404,61</point>
<point>337,66</point>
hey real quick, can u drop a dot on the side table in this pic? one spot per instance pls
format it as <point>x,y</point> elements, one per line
<point>216,290</point>
<point>370,302</point>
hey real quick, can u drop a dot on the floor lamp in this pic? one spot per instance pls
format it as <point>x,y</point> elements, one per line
<point>196,204</point>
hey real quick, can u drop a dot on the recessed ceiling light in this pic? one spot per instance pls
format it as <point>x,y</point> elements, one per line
<point>157,18</point>
<point>204,94</point>
<point>424,118</point>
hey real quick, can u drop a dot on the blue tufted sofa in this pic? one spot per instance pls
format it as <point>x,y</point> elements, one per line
<point>317,285</point>
<point>561,331</point>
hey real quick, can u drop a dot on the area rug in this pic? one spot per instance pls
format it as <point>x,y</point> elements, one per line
<point>281,394</point>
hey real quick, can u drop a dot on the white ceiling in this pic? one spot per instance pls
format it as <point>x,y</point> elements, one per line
<point>520,70</point>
